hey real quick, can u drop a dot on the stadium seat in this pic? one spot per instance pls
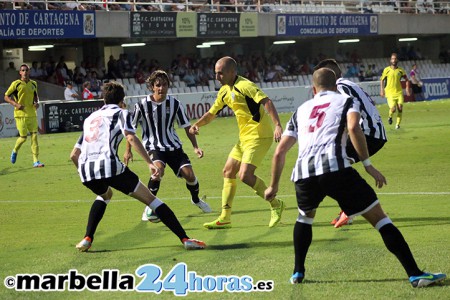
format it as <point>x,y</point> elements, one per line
<point>212,85</point>
<point>132,80</point>
<point>125,81</point>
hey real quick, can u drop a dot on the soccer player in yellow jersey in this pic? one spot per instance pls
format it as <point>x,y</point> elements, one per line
<point>22,94</point>
<point>252,108</point>
<point>391,88</point>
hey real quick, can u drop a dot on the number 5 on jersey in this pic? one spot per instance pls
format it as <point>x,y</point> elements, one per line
<point>318,115</point>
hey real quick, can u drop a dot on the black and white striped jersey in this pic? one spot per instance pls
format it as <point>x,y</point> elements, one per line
<point>157,121</point>
<point>102,133</point>
<point>371,123</point>
<point>319,125</point>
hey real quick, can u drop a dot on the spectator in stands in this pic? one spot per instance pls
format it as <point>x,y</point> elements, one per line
<point>272,75</point>
<point>305,68</point>
<point>110,5</point>
<point>189,78</point>
<point>82,68</point>
<point>139,75</point>
<point>11,68</point>
<point>50,66</point>
<point>99,67</point>
<point>78,77</point>
<point>62,61</point>
<point>412,54</point>
<point>87,94</point>
<point>124,65</point>
<point>96,85</point>
<point>113,72</point>
<point>416,83</point>
<point>69,93</point>
<point>355,57</point>
<point>444,56</point>
<point>35,72</point>
<point>370,73</point>
<point>61,74</point>
<point>72,5</point>
<point>352,71</point>
<point>200,75</point>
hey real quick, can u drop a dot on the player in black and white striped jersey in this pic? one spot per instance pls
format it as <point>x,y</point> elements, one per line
<point>371,123</point>
<point>321,127</point>
<point>157,114</point>
<point>95,156</point>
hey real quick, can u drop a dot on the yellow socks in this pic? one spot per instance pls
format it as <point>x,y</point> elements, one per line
<point>34,147</point>
<point>399,117</point>
<point>228,192</point>
<point>260,187</point>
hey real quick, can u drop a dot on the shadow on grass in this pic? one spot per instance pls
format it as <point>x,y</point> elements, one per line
<point>398,222</point>
<point>249,245</point>
<point>306,281</point>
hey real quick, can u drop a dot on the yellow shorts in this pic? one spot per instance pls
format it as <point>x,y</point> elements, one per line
<point>26,124</point>
<point>395,100</point>
<point>251,152</point>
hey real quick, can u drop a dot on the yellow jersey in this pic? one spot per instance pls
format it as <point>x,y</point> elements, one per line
<point>24,93</point>
<point>244,99</point>
<point>391,78</point>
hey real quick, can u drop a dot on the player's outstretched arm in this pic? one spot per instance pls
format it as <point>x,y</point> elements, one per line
<point>74,155</point>
<point>272,111</point>
<point>382,88</point>
<point>128,155</point>
<point>204,120</point>
<point>359,143</point>
<point>137,145</point>
<point>193,139</point>
<point>278,161</point>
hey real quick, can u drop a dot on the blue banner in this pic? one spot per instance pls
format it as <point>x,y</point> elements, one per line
<point>44,24</point>
<point>327,24</point>
<point>436,88</point>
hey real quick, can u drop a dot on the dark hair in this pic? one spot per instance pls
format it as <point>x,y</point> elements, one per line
<point>113,92</point>
<point>331,64</point>
<point>158,75</point>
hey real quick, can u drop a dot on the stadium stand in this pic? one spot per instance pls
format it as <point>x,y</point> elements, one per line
<point>261,6</point>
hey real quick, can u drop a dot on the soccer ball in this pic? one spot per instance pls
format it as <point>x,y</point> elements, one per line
<point>151,215</point>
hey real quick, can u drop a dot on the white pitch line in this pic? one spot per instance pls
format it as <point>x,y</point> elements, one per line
<point>214,197</point>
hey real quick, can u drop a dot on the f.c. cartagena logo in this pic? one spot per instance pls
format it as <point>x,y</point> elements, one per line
<point>178,280</point>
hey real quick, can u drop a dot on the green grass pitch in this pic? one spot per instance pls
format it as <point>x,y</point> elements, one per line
<point>43,214</point>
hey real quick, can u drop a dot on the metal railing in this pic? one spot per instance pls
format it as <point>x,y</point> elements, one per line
<point>261,6</point>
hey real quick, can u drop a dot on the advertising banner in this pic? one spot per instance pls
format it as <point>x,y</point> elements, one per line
<point>327,24</point>
<point>436,88</point>
<point>218,24</point>
<point>46,24</point>
<point>68,116</point>
<point>153,24</point>
<point>248,25</point>
<point>7,122</point>
<point>186,24</point>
